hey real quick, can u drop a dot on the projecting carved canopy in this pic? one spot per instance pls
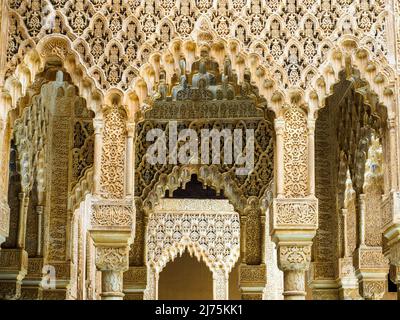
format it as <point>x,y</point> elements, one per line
<point>215,101</point>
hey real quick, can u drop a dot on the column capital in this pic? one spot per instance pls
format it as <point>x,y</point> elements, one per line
<point>98,125</point>
<point>311,125</point>
<point>130,128</point>
<point>112,258</point>
<point>294,256</point>
<point>372,269</point>
<point>279,125</point>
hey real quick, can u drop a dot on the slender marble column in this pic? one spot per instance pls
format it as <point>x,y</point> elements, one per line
<point>151,292</point>
<point>39,211</point>
<point>98,142</point>
<point>311,157</point>
<point>220,284</point>
<point>23,214</point>
<point>294,285</point>
<point>111,285</point>
<point>393,157</point>
<point>130,162</point>
<point>279,129</point>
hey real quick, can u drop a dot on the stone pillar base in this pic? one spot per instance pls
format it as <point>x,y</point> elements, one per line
<point>31,285</point>
<point>13,268</point>
<point>372,269</point>
<point>55,294</point>
<point>31,292</point>
<point>10,290</point>
<point>252,280</point>
<point>135,282</point>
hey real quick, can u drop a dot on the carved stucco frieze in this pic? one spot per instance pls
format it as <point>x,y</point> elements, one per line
<point>295,153</point>
<point>370,258</point>
<point>112,179</point>
<point>390,208</point>
<point>110,214</point>
<point>295,213</point>
<point>14,260</point>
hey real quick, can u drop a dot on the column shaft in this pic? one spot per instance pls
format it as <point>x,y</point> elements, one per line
<point>294,285</point>
<point>23,214</point>
<point>98,142</point>
<point>220,285</point>
<point>112,284</point>
<point>279,128</point>
<point>311,157</point>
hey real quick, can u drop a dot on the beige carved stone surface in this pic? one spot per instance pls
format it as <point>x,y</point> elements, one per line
<point>109,214</point>
<point>111,258</point>
<point>292,41</point>
<point>211,236</point>
<point>82,82</point>
<point>291,212</point>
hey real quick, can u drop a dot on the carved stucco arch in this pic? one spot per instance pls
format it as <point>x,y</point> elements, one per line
<point>17,88</point>
<point>350,60</point>
<point>51,48</point>
<point>346,55</point>
<point>252,208</point>
<point>169,253</point>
